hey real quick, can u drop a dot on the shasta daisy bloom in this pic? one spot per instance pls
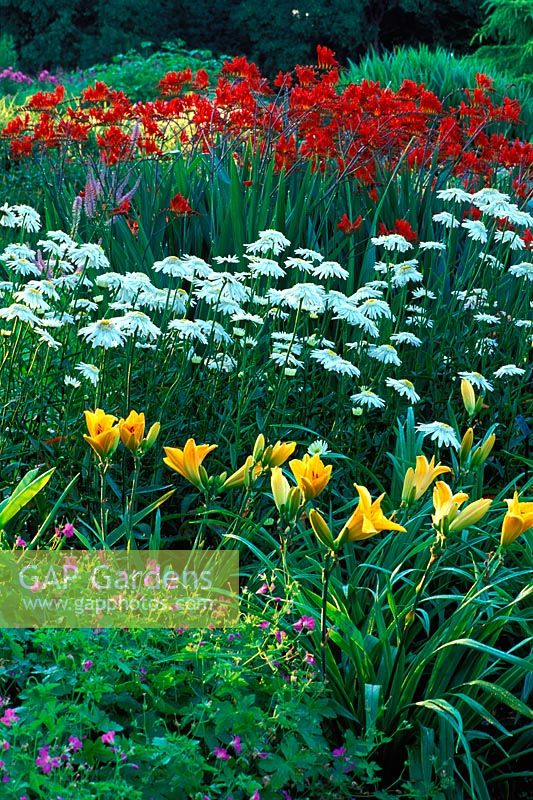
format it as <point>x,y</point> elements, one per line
<point>405,273</point>
<point>286,358</point>
<point>385,353</point>
<point>139,324</point>
<point>404,388</point>
<point>266,267</point>
<point>330,269</point>
<point>392,242</point>
<point>222,362</point>
<point>489,319</point>
<point>269,241</point>
<point>476,230</point>
<point>90,372</point>
<point>103,333</point>
<point>68,380</point>
<point>244,316</point>
<point>233,259</point>
<point>517,520</point>
<point>177,268</point>
<point>332,362</point>
<point>440,432</point>
<point>418,294</point>
<point>492,261</point>
<point>312,476</point>
<point>299,263</point>
<point>103,434</point>
<point>404,337</point>
<point>33,298</point>
<point>446,219</point>
<point>374,308</point>
<point>367,520</point>
<point>27,218</point>
<point>9,217</point>
<point>20,312</point>
<point>432,246</point>
<point>418,480</point>
<point>509,370</point>
<point>367,398</point>
<point>307,296</point>
<point>89,256</point>
<point>511,238</point>
<point>477,380</point>
<point>312,255</point>
<point>455,195</point>
<point>188,461</point>
<point>318,448</point>
<point>522,270</point>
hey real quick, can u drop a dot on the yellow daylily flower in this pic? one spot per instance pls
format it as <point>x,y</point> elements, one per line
<point>447,515</point>
<point>132,430</point>
<point>311,475</point>
<point>517,520</point>
<point>103,434</point>
<point>286,497</point>
<point>275,455</point>
<point>368,519</point>
<point>188,461</point>
<point>418,480</point>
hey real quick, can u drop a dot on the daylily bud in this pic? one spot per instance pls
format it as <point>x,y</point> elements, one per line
<point>469,397</point>
<point>470,515</point>
<point>483,452</point>
<point>466,446</point>
<point>321,529</point>
<point>280,488</point>
<point>153,433</point>
<point>259,447</point>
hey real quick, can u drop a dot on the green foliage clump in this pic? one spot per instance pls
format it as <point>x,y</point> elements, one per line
<point>508,27</point>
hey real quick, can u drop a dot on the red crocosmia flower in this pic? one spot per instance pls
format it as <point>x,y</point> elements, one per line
<point>348,227</point>
<point>123,209</point>
<point>306,75</point>
<point>403,228</point>
<point>472,213</point>
<point>181,206</point>
<point>201,80</point>
<point>47,100</point>
<point>283,80</point>
<point>326,57</point>
<point>527,237</point>
<point>484,82</point>
<point>21,147</point>
<point>96,94</point>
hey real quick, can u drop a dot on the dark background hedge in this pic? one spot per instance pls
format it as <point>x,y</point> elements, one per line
<point>275,33</point>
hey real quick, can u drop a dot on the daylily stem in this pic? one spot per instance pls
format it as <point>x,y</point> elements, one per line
<point>326,572</point>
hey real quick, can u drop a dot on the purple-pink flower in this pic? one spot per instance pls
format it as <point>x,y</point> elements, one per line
<point>305,623</point>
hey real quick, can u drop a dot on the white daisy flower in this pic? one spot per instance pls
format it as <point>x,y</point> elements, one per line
<point>244,316</point>
<point>90,372</point>
<point>375,309</point>
<point>404,337</point>
<point>366,398</point>
<point>404,388</point>
<point>89,256</point>
<point>511,238</point>
<point>440,432</point>
<point>73,382</point>
<point>188,329</point>
<point>385,353</point>
<point>523,323</point>
<point>318,448</point>
<point>330,269</point>
<point>454,194</point>
<point>522,270</point>
<point>490,319</point>
<point>299,263</point>
<point>332,362</point>
<point>432,246</point>
<point>9,218</point>
<point>83,303</point>
<point>221,363</point>
<point>214,330</point>
<point>103,333</point>
<point>312,255</point>
<point>486,346</point>
<point>138,324</point>
<point>492,260</point>
<point>27,218</point>
<point>269,241</point>
<point>476,230</point>
<point>392,241</point>
<point>418,294</point>
<point>32,298</point>
<point>477,380</point>
<point>508,370</point>
<point>405,273</point>
<point>266,267</point>
<point>285,358</point>
<point>446,219</point>
<point>47,339</point>
<point>308,296</point>
<point>21,312</point>
<point>233,259</point>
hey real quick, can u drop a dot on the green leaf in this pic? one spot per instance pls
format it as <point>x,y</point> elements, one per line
<point>30,485</point>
